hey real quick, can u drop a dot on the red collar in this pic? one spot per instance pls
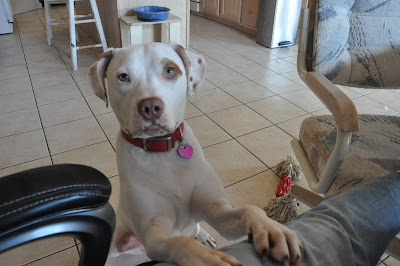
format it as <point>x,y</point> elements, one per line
<point>156,144</point>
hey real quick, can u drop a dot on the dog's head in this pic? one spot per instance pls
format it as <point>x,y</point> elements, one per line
<point>147,85</point>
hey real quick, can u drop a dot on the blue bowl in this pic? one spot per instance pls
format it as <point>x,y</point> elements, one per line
<point>152,13</point>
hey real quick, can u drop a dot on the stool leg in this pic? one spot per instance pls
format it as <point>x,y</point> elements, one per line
<point>136,34</point>
<point>98,24</point>
<point>77,36</point>
<point>175,32</point>
<point>72,33</point>
<point>48,21</point>
<point>76,31</point>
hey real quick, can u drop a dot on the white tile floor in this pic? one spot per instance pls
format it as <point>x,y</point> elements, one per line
<point>250,106</point>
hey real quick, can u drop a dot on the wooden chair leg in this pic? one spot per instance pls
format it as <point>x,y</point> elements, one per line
<point>306,196</point>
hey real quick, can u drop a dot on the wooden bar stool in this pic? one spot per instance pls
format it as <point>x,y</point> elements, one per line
<point>132,29</point>
<point>95,17</point>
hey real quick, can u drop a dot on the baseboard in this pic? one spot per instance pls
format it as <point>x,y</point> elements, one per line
<point>245,29</point>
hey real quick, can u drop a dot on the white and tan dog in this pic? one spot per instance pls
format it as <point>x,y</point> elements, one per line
<point>163,195</point>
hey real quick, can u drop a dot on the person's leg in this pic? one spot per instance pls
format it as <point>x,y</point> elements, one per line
<point>353,228</point>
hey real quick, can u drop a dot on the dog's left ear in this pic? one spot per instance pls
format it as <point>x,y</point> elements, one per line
<point>195,67</point>
<point>97,74</point>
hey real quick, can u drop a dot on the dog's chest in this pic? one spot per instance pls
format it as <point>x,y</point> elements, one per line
<point>164,174</point>
<point>164,193</point>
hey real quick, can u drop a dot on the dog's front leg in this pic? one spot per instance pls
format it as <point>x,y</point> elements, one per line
<point>181,250</point>
<point>269,237</point>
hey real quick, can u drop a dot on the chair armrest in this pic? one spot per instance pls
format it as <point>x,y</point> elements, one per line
<point>43,191</point>
<point>306,196</point>
<point>338,103</point>
<point>342,108</point>
<point>323,183</point>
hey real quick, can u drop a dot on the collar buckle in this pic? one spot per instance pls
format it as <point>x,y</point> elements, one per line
<point>169,139</point>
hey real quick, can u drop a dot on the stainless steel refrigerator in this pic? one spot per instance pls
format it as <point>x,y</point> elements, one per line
<point>278,22</point>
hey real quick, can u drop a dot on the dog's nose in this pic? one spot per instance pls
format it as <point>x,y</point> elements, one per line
<point>151,108</point>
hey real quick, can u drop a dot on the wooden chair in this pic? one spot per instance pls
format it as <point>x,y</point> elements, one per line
<point>354,43</point>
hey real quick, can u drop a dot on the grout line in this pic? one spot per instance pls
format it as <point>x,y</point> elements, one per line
<point>5,80</point>
<point>225,130</point>
<point>214,144</point>
<point>84,146</point>
<point>34,96</point>
<point>75,82</point>
<point>3,168</point>
<point>113,176</point>
<point>60,101</point>
<point>19,133</point>
<point>46,256</point>
<point>279,121</point>
<point>17,110</point>
<point>112,146</point>
<point>239,181</point>
<point>235,138</point>
<point>219,110</point>
<point>77,247</point>
<point>82,118</point>
<point>37,106</point>
<point>382,104</point>
<point>195,116</point>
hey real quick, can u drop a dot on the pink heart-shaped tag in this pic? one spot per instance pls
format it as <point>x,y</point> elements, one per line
<point>186,152</point>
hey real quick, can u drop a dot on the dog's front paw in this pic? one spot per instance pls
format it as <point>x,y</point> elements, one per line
<point>216,257</point>
<point>272,238</point>
<point>205,238</point>
<point>193,253</point>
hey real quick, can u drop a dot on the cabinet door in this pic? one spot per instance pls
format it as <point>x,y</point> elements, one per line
<point>250,13</point>
<point>231,9</point>
<point>210,7</point>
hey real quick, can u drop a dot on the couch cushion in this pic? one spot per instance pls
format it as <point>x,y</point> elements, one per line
<point>374,151</point>
<point>357,42</point>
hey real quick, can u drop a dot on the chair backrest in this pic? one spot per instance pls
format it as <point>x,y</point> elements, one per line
<point>355,42</point>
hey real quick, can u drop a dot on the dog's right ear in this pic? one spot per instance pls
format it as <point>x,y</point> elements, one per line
<point>97,75</point>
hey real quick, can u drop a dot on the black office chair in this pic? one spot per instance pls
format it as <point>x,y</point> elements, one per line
<point>58,200</point>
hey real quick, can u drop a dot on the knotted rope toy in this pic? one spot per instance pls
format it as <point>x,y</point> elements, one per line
<point>283,208</point>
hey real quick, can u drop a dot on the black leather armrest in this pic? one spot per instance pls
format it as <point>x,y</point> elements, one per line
<point>47,190</point>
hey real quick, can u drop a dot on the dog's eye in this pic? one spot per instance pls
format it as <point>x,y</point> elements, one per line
<point>169,72</point>
<point>123,77</point>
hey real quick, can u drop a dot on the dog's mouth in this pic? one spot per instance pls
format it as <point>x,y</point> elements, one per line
<point>155,130</point>
<point>150,130</point>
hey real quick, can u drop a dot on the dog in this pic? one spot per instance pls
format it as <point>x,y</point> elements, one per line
<point>166,185</point>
